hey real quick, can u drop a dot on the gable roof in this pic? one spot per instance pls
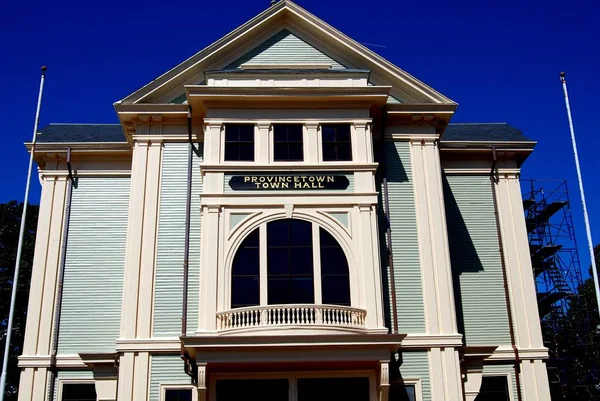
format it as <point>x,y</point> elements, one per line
<point>485,132</point>
<point>81,133</point>
<point>285,15</point>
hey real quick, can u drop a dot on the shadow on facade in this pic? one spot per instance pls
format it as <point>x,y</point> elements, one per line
<point>463,254</point>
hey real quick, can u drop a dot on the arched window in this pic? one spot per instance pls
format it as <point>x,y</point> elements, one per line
<point>290,262</point>
<point>295,251</point>
<point>335,278</point>
<point>245,283</point>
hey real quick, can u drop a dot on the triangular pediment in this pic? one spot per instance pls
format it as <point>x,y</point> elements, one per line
<point>285,48</point>
<point>287,35</point>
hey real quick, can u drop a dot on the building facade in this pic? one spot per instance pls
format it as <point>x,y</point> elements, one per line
<point>283,216</point>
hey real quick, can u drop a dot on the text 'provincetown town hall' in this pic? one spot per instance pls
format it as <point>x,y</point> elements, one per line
<point>284,216</point>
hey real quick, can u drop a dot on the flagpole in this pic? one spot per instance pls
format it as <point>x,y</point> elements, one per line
<point>586,219</point>
<point>20,246</point>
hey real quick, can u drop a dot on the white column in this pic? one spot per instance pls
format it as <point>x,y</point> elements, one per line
<point>518,262</point>
<point>436,271</point>
<point>370,269</point>
<point>444,370</point>
<point>149,241</point>
<point>521,283</point>
<point>131,277</point>
<point>209,266</point>
<point>438,292</point>
<point>262,143</point>
<point>311,141</point>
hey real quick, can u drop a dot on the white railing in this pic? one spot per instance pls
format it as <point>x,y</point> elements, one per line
<point>291,315</point>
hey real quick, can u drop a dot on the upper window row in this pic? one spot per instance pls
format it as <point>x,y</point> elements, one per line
<point>288,144</point>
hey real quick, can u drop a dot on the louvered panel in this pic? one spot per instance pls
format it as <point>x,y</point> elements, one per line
<point>95,257</point>
<point>284,48</point>
<point>508,370</point>
<point>171,235</point>
<point>415,365</point>
<point>166,369</point>
<point>227,189</point>
<point>407,270</point>
<point>71,375</point>
<point>475,256</point>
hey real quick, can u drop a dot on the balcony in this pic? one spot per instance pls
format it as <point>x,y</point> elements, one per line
<point>319,317</point>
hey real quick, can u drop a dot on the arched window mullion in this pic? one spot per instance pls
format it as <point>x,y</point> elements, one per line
<point>263,270</point>
<point>317,264</point>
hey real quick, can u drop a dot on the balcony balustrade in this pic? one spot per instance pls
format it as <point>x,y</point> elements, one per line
<point>292,315</point>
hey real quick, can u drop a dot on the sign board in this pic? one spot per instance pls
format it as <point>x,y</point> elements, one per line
<point>257,182</point>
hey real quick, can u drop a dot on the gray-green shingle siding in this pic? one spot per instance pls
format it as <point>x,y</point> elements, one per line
<point>284,48</point>
<point>168,291</point>
<point>166,369</point>
<point>95,257</point>
<point>415,365</point>
<point>403,224</point>
<point>475,257</point>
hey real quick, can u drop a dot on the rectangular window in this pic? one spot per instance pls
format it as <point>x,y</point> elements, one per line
<point>288,143</point>
<point>239,142</point>
<point>493,388</point>
<point>265,390</point>
<point>78,392</point>
<point>403,392</point>
<point>336,142</point>
<point>339,388</point>
<point>178,394</point>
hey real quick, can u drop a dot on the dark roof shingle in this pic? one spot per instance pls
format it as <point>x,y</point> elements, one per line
<point>485,132</point>
<point>81,133</point>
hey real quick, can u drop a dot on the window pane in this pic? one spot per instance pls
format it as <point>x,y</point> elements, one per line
<point>281,152</point>
<point>344,151</point>
<point>328,133</point>
<point>246,132</point>
<point>327,389</point>
<point>252,239</point>
<point>246,151</point>
<point>79,392</point>
<point>278,290</point>
<point>280,133</point>
<point>301,233</point>
<point>246,262</point>
<point>278,233</point>
<point>241,390</point>
<point>302,291</point>
<point>231,151</point>
<point>329,153</point>
<point>296,152</point>
<point>301,261</point>
<point>333,261</point>
<point>278,260</point>
<point>178,395</point>
<point>336,290</point>
<point>294,133</point>
<point>327,239</point>
<point>244,291</point>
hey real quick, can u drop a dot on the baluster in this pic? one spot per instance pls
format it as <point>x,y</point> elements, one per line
<point>319,316</point>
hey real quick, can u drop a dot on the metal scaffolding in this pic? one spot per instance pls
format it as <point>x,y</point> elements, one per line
<point>567,325</point>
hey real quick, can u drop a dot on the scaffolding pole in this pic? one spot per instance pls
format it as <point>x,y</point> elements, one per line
<point>586,219</point>
<point>20,245</point>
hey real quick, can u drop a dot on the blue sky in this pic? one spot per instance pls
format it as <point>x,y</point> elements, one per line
<point>498,59</point>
